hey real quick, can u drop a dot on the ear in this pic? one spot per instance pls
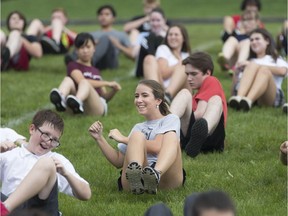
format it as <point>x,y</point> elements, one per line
<point>208,73</point>
<point>159,101</point>
<point>32,129</point>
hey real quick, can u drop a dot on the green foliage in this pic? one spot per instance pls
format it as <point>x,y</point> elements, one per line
<point>249,169</point>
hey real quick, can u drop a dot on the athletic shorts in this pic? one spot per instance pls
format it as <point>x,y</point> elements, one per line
<point>48,206</point>
<point>214,142</point>
<point>21,60</point>
<point>120,187</point>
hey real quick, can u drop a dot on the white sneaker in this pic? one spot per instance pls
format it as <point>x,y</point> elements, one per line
<point>58,100</point>
<point>75,104</point>
<point>234,102</point>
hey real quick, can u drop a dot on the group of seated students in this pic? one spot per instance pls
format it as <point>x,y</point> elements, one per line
<point>184,105</point>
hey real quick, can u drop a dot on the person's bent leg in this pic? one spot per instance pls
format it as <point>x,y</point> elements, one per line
<point>247,79</point>
<point>35,28</point>
<point>213,113</point>
<point>40,180</point>
<point>182,107</point>
<point>178,81</point>
<point>135,158</point>
<point>243,50</point>
<point>229,48</point>
<point>93,104</point>
<point>14,42</point>
<point>57,28</point>
<point>150,68</point>
<point>263,88</point>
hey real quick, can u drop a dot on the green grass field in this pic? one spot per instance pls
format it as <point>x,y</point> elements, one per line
<point>249,169</point>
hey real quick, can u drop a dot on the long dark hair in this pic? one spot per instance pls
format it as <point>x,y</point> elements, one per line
<point>186,43</point>
<point>271,47</point>
<point>158,92</point>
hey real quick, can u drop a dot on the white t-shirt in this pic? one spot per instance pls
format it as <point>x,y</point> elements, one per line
<point>163,51</point>
<point>16,163</point>
<point>152,128</point>
<point>269,61</point>
<point>8,134</point>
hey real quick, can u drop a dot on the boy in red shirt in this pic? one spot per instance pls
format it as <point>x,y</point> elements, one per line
<point>203,115</point>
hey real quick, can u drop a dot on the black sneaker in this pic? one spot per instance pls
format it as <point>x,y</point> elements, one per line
<point>133,175</point>
<point>49,45</point>
<point>58,100</point>
<point>75,104</point>
<point>5,58</point>
<point>199,133</point>
<point>151,178</point>
<point>285,108</point>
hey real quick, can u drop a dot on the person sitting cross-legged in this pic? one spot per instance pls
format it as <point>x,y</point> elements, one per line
<point>203,115</point>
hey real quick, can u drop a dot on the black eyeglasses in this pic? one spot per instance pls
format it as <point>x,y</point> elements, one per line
<point>46,138</point>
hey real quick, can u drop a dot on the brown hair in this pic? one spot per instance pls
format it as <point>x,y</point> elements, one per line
<point>22,17</point>
<point>49,117</point>
<point>158,92</point>
<point>186,43</point>
<point>201,61</point>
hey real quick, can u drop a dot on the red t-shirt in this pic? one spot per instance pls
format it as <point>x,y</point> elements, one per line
<point>210,87</point>
<point>66,40</point>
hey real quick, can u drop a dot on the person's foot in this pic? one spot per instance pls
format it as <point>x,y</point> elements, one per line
<point>151,178</point>
<point>223,62</point>
<point>49,45</point>
<point>4,210</point>
<point>75,104</point>
<point>5,58</point>
<point>285,108</point>
<point>133,175</point>
<point>58,100</point>
<point>234,102</point>
<point>199,133</point>
<point>245,104</point>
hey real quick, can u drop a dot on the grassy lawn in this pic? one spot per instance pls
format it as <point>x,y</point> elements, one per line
<point>249,169</point>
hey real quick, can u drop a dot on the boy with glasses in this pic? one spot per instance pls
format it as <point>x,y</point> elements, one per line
<point>32,174</point>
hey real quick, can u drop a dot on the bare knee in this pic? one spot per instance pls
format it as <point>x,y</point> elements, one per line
<point>46,164</point>
<point>149,59</point>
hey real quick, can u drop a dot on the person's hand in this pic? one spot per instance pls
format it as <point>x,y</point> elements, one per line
<point>114,85</point>
<point>7,146</point>
<point>284,147</point>
<point>96,129</point>
<point>59,167</point>
<point>116,135</point>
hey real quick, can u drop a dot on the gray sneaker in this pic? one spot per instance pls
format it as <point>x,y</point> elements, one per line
<point>133,175</point>
<point>151,178</point>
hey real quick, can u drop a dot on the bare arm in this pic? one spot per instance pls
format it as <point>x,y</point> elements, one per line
<point>134,24</point>
<point>278,71</point>
<point>127,51</point>
<point>34,48</point>
<point>81,190</point>
<point>115,157</point>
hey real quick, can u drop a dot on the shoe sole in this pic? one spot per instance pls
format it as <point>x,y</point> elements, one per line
<point>150,180</point>
<point>133,175</point>
<point>199,133</point>
<point>56,99</point>
<point>48,47</point>
<point>74,105</point>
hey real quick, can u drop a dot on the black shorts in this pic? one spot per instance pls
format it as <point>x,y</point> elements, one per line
<point>48,206</point>
<point>214,142</point>
<point>120,187</point>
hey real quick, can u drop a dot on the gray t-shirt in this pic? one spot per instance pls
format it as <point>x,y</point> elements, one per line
<point>121,36</point>
<point>152,128</point>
